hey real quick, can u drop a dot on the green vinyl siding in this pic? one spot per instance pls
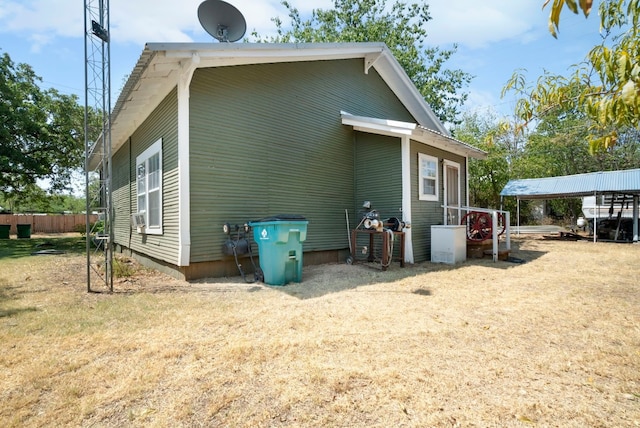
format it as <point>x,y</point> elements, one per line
<point>161,124</point>
<point>267,139</point>
<point>378,179</point>
<point>121,195</point>
<point>378,174</point>
<point>424,214</point>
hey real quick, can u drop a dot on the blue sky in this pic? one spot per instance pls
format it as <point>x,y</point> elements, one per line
<point>494,37</point>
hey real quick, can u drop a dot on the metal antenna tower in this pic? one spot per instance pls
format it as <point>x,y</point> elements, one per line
<point>97,142</point>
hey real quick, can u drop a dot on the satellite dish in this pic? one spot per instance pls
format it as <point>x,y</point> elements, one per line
<point>222,20</point>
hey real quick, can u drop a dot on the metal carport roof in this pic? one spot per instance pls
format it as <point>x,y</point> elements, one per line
<point>624,181</point>
<point>602,182</point>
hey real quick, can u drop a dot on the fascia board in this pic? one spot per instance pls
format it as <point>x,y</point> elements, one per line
<point>394,75</point>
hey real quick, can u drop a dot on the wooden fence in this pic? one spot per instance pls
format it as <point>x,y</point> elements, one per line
<point>57,223</point>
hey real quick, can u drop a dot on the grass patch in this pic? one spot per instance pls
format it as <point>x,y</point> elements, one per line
<point>551,342</point>
<point>17,248</point>
<point>123,267</point>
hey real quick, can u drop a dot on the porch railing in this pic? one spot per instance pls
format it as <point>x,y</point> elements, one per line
<point>494,225</point>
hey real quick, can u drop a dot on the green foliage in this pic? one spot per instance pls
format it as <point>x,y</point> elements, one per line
<point>42,133</point>
<point>558,146</point>
<point>123,268</point>
<point>402,27</point>
<point>81,229</point>
<point>42,130</point>
<point>98,226</point>
<point>556,10</point>
<point>33,198</point>
<point>605,87</point>
<point>486,177</point>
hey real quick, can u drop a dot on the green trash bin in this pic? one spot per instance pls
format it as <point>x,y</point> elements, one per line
<point>24,230</point>
<point>4,231</point>
<point>279,241</point>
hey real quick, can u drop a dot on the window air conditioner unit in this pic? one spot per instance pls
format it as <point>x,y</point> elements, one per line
<point>138,222</point>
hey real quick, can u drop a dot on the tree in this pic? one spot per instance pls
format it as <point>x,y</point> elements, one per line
<point>608,80</point>
<point>42,131</point>
<point>489,176</point>
<point>556,147</point>
<point>34,199</point>
<point>401,27</point>
<point>559,146</point>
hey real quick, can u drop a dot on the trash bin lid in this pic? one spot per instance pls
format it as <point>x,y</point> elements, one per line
<point>283,217</point>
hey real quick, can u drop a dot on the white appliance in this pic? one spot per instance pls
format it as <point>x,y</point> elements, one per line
<point>448,244</point>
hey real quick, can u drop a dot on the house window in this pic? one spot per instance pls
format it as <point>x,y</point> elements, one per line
<point>428,177</point>
<point>149,187</point>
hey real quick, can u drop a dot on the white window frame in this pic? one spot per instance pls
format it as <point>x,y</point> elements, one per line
<point>143,161</point>
<point>421,177</point>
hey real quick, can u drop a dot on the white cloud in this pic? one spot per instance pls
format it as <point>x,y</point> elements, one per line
<point>478,24</point>
<point>490,33</point>
<point>41,21</point>
<point>474,24</point>
<point>170,21</point>
<point>136,21</point>
<point>486,102</point>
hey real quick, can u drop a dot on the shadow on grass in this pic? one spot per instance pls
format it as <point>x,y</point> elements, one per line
<point>9,294</point>
<point>322,280</point>
<point>17,248</point>
<point>317,281</point>
<point>15,311</point>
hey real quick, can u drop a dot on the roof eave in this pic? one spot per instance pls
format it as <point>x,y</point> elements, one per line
<point>160,65</point>
<point>418,133</point>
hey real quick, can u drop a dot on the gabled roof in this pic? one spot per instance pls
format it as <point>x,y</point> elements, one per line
<point>414,131</point>
<point>625,181</point>
<point>161,65</point>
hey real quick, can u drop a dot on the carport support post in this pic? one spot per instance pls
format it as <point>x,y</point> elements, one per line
<point>635,218</point>
<point>595,217</point>
<point>507,222</point>
<point>518,214</point>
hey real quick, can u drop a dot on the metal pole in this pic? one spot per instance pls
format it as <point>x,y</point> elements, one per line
<point>507,222</point>
<point>595,217</point>
<point>518,214</point>
<point>494,234</point>
<point>109,212</point>
<point>635,218</point>
<point>86,155</point>
<point>97,71</point>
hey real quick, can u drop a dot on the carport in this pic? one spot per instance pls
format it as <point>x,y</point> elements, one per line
<point>624,182</point>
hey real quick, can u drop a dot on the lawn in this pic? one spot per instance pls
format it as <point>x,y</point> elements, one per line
<point>19,248</point>
<point>554,341</point>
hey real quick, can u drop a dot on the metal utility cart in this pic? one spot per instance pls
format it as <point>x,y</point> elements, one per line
<point>387,239</point>
<point>386,232</point>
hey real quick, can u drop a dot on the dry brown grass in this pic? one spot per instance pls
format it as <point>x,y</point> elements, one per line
<point>552,342</point>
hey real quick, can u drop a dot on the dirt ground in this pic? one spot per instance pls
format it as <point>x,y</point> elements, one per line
<point>553,341</point>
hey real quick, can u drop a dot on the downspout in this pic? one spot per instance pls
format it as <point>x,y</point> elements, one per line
<point>354,146</point>
<point>184,192</point>
<point>405,151</point>
<point>130,189</point>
